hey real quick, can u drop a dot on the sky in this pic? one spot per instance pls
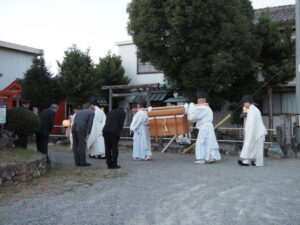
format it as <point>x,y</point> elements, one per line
<point>55,25</point>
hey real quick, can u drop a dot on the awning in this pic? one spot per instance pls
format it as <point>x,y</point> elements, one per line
<point>173,100</point>
<point>102,102</point>
<point>154,97</point>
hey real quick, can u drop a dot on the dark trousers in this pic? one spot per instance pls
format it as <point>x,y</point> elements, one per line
<point>22,141</point>
<point>42,144</point>
<point>79,147</point>
<point>111,149</point>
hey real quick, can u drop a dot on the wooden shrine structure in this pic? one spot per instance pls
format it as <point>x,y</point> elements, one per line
<point>145,91</point>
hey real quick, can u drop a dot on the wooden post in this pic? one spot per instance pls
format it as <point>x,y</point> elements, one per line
<point>160,142</point>
<point>285,135</point>
<point>170,142</point>
<point>110,99</point>
<point>270,97</point>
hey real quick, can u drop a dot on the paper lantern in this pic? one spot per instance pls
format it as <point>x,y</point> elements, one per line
<point>66,123</point>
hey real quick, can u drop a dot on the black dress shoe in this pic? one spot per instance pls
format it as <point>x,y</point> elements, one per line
<point>86,164</point>
<point>241,163</point>
<point>253,163</point>
<point>92,157</point>
<point>101,157</point>
<point>115,167</point>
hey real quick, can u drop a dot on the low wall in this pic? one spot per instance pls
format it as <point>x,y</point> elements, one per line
<point>14,173</point>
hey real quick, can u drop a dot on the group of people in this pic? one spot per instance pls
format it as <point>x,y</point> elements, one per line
<point>99,134</point>
<point>207,148</point>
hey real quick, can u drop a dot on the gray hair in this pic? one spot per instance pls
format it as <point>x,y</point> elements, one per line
<point>54,106</point>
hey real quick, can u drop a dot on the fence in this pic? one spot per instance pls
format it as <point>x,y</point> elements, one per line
<point>235,137</point>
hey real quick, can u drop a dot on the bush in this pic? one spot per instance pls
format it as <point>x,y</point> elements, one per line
<point>22,122</point>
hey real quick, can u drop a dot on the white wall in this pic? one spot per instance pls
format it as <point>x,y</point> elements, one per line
<point>13,64</point>
<point>127,51</point>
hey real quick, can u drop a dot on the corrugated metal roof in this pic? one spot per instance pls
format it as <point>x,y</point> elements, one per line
<point>154,97</point>
<point>171,100</point>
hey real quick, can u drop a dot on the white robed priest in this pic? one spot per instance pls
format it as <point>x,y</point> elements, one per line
<point>207,148</point>
<point>255,131</point>
<point>95,142</point>
<point>141,134</point>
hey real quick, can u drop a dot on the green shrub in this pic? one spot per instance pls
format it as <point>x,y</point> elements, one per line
<point>22,121</point>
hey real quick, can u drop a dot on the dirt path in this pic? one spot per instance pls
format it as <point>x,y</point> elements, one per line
<point>170,190</point>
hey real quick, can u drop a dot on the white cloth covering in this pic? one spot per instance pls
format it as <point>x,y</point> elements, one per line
<point>207,147</point>
<point>255,132</point>
<point>141,136</point>
<point>95,142</point>
<point>72,117</point>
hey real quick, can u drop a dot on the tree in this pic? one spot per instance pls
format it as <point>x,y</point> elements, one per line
<point>77,75</point>
<point>277,56</point>
<point>196,42</point>
<point>109,71</point>
<point>39,86</point>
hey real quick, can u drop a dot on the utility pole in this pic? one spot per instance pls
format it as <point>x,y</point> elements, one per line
<point>298,70</point>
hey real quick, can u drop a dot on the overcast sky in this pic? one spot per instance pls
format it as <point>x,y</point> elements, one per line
<point>54,25</point>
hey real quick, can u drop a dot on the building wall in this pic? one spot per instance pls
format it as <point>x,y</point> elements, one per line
<point>13,65</point>
<point>127,51</point>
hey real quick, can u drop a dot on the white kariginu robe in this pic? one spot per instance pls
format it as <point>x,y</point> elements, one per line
<point>207,147</point>
<point>255,132</point>
<point>141,136</point>
<point>95,142</point>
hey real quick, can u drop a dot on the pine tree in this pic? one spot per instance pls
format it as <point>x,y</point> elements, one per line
<point>77,75</point>
<point>109,71</point>
<point>39,86</point>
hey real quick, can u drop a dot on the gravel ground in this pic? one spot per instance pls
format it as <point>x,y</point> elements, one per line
<point>170,190</point>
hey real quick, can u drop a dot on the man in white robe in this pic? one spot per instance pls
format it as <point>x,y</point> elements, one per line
<point>95,142</point>
<point>207,148</point>
<point>141,136</point>
<point>255,131</point>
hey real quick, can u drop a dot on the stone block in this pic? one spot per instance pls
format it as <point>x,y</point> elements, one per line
<point>23,178</point>
<point>274,151</point>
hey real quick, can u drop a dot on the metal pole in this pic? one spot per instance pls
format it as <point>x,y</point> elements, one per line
<point>110,99</point>
<point>298,70</point>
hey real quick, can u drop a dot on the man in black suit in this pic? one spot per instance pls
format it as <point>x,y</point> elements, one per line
<point>42,136</point>
<point>111,132</point>
<point>81,129</point>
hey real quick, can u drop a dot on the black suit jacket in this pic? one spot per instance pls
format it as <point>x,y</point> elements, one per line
<point>115,121</point>
<point>83,121</point>
<point>47,119</point>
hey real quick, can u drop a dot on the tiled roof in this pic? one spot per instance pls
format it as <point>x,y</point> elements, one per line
<point>101,102</point>
<point>280,14</point>
<point>155,96</point>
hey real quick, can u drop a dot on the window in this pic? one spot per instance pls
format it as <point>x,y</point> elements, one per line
<point>146,67</point>
<point>283,103</point>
